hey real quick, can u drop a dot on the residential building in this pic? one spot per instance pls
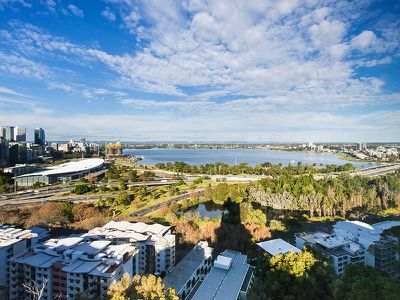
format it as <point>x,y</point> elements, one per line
<point>155,242</point>
<point>14,241</point>
<point>20,134</point>
<point>190,270</point>
<point>70,266</point>
<point>276,246</point>
<point>39,137</point>
<point>381,249</point>
<point>341,251</point>
<point>355,242</point>
<point>229,279</point>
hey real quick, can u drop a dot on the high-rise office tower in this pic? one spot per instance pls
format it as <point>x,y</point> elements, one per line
<point>20,134</point>
<point>7,132</point>
<point>39,137</point>
<point>2,132</point>
<point>4,152</point>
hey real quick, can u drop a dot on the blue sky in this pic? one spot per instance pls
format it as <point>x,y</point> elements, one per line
<point>287,70</point>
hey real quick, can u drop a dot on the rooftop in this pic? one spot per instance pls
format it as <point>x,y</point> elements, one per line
<point>10,235</point>
<point>181,273</point>
<point>385,225</point>
<point>273,247</point>
<point>133,231</point>
<point>69,167</point>
<point>224,284</point>
<point>77,255</point>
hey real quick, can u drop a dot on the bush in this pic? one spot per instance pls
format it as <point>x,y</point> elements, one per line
<point>82,189</point>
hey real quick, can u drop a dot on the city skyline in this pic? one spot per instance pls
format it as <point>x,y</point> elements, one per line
<point>202,71</point>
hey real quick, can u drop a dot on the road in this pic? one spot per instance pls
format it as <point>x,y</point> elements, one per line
<point>53,191</point>
<point>377,171</point>
<point>149,209</point>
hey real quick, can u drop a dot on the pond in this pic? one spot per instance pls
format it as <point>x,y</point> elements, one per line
<point>206,210</point>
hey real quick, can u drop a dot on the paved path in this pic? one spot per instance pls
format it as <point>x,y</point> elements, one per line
<point>157,206</point>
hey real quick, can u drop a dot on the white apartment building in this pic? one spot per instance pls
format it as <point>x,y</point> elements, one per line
<point>70,266</point>
<point>14,241</point>
<point>190,270</point>
<point>155,242</point>
<point>355,242</point>
<point>341,251</point>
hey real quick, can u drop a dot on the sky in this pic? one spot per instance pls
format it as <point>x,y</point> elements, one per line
<point>199,70</point>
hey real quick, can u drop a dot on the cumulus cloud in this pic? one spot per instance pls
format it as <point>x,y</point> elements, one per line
<point>250,60</point>
<point>75,10</point>
<point>108,14</point>
<point>364,40</point>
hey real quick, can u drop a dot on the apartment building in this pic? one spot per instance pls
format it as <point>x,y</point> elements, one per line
<point>14,241</point>
<point>355,242</point>
<point>70,266</point>
<point>229,279</point>
<point>381,248</point>
<point>190,270</point>
<point>341,251</point>
<point>155,242</point>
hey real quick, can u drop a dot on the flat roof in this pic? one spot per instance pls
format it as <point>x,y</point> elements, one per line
<point>69,167</point>
<point>224,284</point>
<point>386,225</point>
<point>276,246</point>
<point>181,273</point>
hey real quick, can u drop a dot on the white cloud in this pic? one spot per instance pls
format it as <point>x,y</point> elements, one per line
<point>235,60</point>
<point>108,14</point>
<point>18,65</point>
<point>11,3</point>
<point>364,40</point>
<point>75,10</point>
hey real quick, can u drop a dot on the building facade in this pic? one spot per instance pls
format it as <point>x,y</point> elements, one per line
<point>69,267</point>
<point>20,134</point>
<point>192,269</point>
<point>155,243</point>
<point>13,241</point>
<point>355,242</point>
<point>229,279</point>
<point>39,137</point>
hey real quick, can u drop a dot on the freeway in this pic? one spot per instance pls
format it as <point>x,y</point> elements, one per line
<point>377,171</point>
<point>37,195</point>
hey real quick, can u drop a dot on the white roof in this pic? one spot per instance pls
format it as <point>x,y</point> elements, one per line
<point>10,235</point>
<point>332,241</point>
<point>69,167</point>
<point>277,246</point>
<point>223,262</point>
<point>386,225</point>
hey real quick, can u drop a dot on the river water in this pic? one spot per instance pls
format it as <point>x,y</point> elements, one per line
<point>236,156</point>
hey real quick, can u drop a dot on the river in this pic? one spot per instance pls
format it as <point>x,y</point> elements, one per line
<point>236,156</point>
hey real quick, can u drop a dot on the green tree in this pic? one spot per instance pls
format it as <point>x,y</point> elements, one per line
<point>360,282</point>
<point>141,288</point>
<point>292,276</point>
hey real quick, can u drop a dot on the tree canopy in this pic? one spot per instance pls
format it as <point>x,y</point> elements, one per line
<point>292,276</point>
<point>140,288</point>
<point>360,282</point>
